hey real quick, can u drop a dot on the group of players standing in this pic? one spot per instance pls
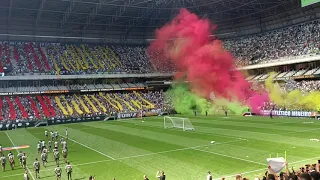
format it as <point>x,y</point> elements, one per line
<point>43,151</point>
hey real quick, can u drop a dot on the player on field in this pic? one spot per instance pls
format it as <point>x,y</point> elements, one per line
<point>64,144</point>
<point>46,134</point>
<point>44,150</point>
<point>3,161</point>
<point>57,135</point>
<point>49,146</point>
<point>56,156</point>
<point>56,145</point>
<point>145,177</point>
<point>67,134</point>
<point>43,144</point>
<point>11,160</point>
<point>68,169</point>
<point>20,154</point>
<point>65,154</point>
<point>58,172</point>
<point>1,150</point>
<point>39,147</point>
<point>36,166</point>
<point>44,158</point>
<point>24,161</point>
<point>52,135</point>
<point>161,175</point>
<point>25,175</point>
<point>209,176</point>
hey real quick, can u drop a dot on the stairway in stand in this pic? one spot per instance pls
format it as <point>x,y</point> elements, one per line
<point>44,107</point>
<point>23,112</point>
<point>11,109</point>
<point>1,102</point>
<point>48,102</point>
<point>34,107</point>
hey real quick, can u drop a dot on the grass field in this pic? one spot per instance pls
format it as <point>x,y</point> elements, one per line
<point>128,149</point>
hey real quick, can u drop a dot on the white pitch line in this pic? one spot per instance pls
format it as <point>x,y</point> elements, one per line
<point>295,162</point>
<point>230,156</point>
<point>132,157</point>
<point>18,152</point>
<point>174,150</point>
<point>161,152</point>
<point>90,148</point>
<point>241,173</point>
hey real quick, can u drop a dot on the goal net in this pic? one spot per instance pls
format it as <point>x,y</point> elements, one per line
<point>177,122</point>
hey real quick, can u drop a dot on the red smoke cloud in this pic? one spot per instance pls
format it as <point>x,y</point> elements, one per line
<point>187,42</point>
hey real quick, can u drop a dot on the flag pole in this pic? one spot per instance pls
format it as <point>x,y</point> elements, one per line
<point>285,155</point>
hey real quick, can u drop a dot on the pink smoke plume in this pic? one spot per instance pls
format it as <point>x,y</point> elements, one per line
<point>187,42</point>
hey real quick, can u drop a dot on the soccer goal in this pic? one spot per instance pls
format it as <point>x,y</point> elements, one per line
<point>177,122</point>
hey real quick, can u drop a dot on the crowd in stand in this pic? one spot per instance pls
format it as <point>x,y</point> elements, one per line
<point>307,172</point>
<point>302,39</point>
<point>33,108</point>
<point>18,58</point>
<point>303,86</point>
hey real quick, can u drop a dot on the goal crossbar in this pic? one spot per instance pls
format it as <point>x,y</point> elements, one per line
<point>177,122</point>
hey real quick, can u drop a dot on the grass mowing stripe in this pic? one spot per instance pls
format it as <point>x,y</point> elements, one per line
<point>18,152</point>
<point>130,157</point>
<point>132,140</point>
<point>146,125</point>
<point>174,150</point>
<point>228,156</point>
<point>197,132</point>
<point>247,172</point>
<point>89,148</point>
<point>173,131</point>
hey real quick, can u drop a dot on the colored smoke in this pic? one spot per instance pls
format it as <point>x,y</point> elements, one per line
<point>201,60</point>
<point>293,100</point>
<point>185,101</point>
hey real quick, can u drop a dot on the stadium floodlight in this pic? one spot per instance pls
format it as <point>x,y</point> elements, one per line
<point>177,122</point>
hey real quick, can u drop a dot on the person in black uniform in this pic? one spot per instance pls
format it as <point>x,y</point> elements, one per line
<point>271,114</point>
<point>161,175</point>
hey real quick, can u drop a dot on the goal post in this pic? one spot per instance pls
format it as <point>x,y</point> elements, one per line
<point>177,122</point>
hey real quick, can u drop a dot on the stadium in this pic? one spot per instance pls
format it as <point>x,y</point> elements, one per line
<point>164,89</point>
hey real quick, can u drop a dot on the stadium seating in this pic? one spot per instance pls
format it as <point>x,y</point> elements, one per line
<point>55,58</point>
<point>24,114</point>
<point>44,107</point>
<point>296,40</point>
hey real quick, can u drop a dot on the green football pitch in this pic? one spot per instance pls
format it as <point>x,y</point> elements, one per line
<point>128,149</point>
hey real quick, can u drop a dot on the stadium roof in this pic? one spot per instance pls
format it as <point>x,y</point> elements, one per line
<point>98,18</point>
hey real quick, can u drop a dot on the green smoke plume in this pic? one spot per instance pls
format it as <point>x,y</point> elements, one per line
<point>186,102</point>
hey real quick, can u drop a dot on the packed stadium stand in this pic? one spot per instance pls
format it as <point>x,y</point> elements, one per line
<point>50,54</point>
<point>29,57</point>
<point>39,107</point>
<point>18,58</point>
